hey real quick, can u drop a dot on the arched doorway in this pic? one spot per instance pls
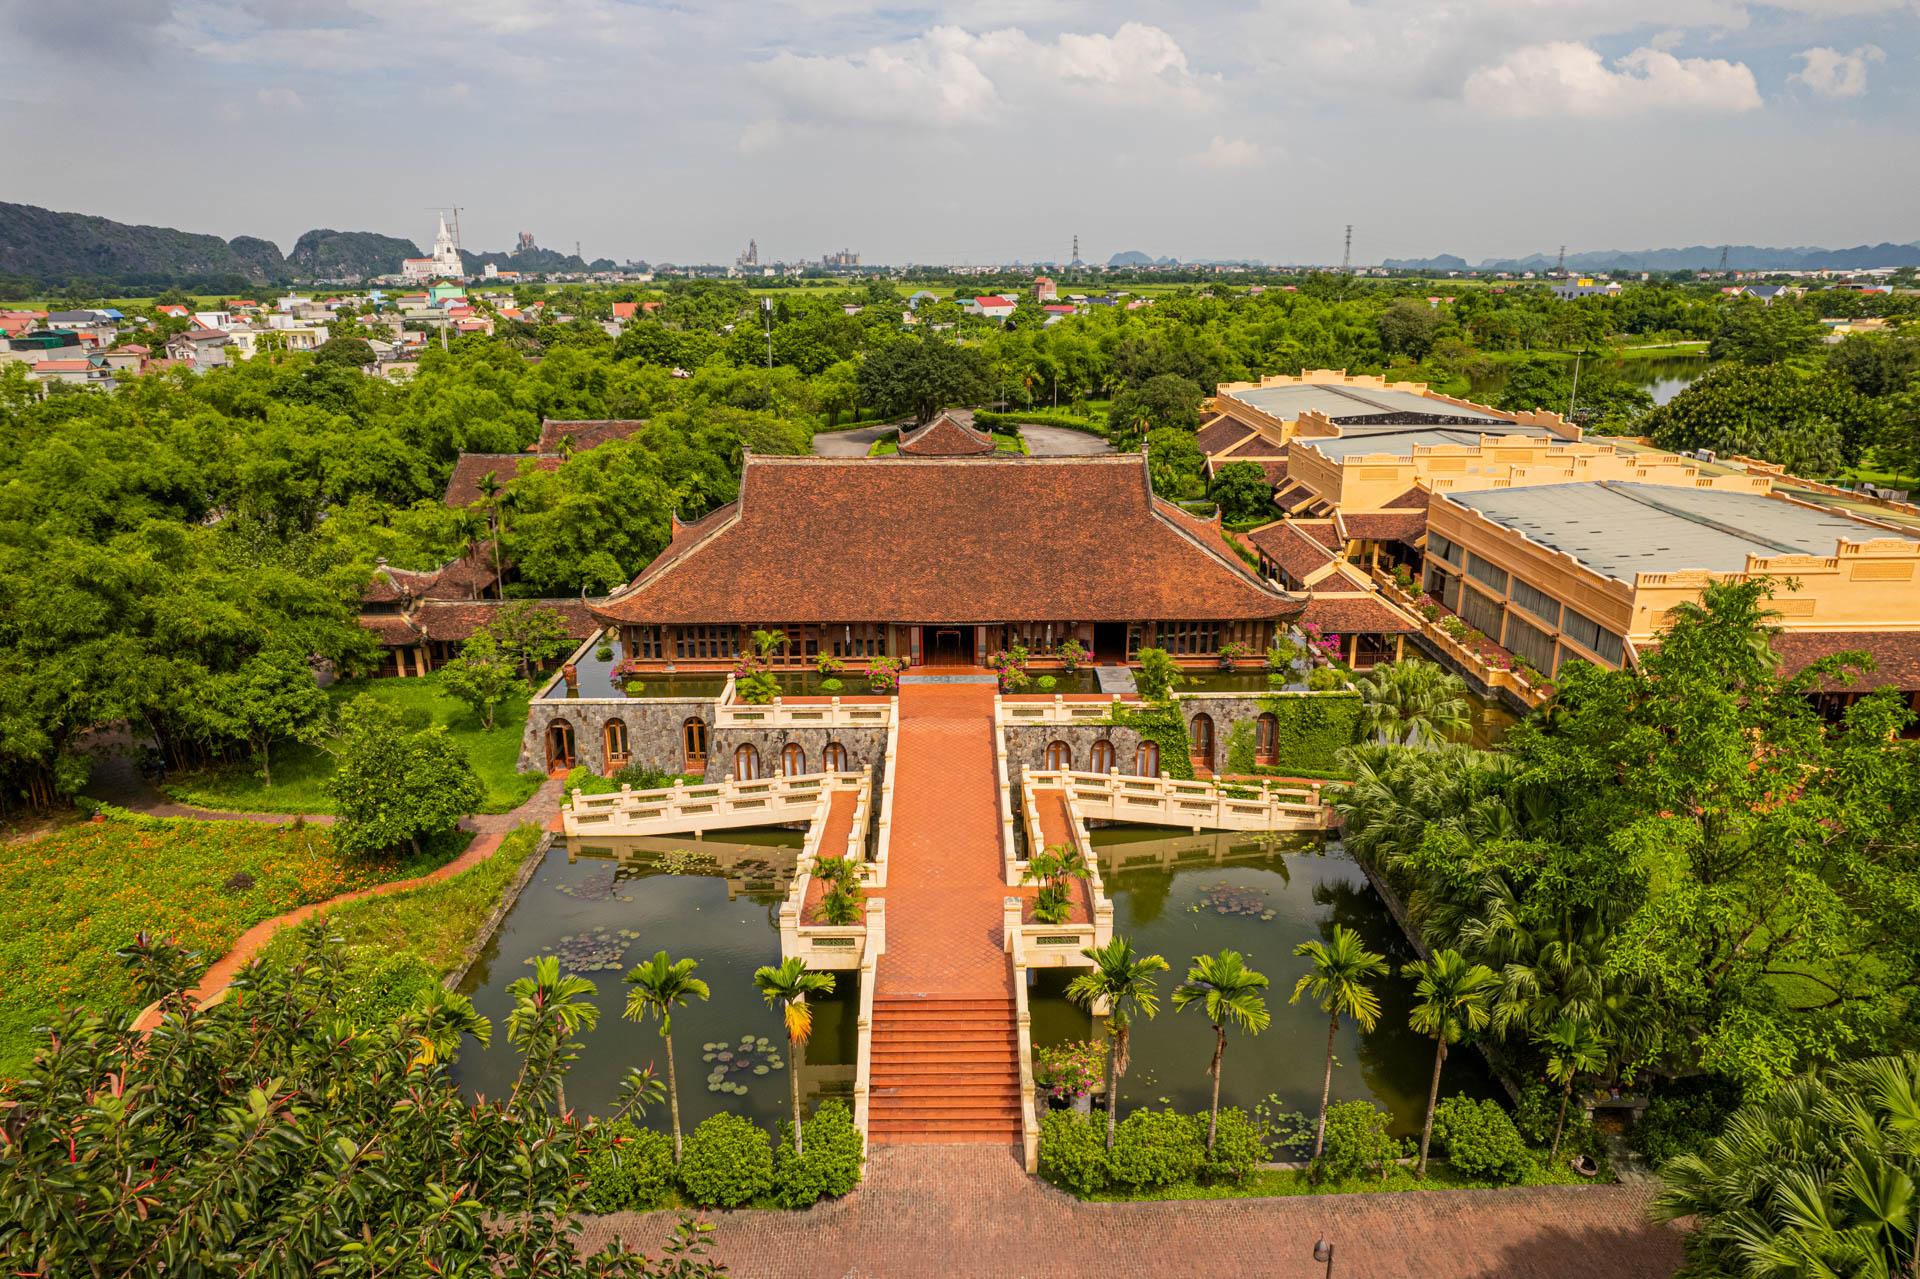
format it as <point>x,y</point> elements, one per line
<point>1266,740</point>
<point>746,764</point>
<point>1203,741</point>
<point>693,745</point>
<point>793,760</point>
<point>1059,756</point>
<point>1101,759</point>
<point>1146,760</point>
<point>834,758</point>
<point>619,750</point>
<point>561,757</point>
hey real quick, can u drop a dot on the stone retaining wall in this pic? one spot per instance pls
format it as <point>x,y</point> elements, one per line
<point>653,730</point>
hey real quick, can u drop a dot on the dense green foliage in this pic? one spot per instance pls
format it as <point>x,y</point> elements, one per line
<point>1314,729</point>
<point>628,1169</point>
<point>830,1166</point>
<point>1480,1140</point>
<point>1156,1148</point>
<point>728,1162</point>
<point>1165,727</point>
<point>394,785</point>
<point>1684,1117</point>
<point>1152,1149</point>
<point>1357,1142</point>
<point>1808,422</point>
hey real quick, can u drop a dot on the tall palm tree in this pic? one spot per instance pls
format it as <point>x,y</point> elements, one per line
<point>548,1010</point>
<point>1414,703</point>
<point>1573,1047</point>
<point>489,488</point>
<point>786,989</point>
<point>1338,983</point>
<point>471,528</point>
<point>1125,983</point>
<point>1229,991</point>
<point>658,987</point>
<point>1451,999</point>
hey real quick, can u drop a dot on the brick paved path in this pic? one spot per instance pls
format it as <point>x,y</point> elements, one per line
<point>955,1212</point>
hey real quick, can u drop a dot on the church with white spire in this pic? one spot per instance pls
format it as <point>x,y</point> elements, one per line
<point>444,264</point>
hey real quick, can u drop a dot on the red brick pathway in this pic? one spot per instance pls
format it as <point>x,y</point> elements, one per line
<point>833,843</point>
<point>954,1212</point>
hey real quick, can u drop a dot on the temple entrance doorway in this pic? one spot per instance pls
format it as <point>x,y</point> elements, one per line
<point>1110,641</point>
<point>947,645</point>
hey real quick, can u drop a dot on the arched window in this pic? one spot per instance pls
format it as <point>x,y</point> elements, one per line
<point>693,742</point>
<point>619,753</point>
<point>1146,760</point>
<point>1102,760</point>
<point>1203,740</point>
<point>1059,756</point>
<point>1266,740</point>
<point>746,764</point>
<point>560,753</point>
<point>834,758</point>
<point>793,760</point>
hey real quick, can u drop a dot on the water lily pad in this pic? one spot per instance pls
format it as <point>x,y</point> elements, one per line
<point>761,1070</point>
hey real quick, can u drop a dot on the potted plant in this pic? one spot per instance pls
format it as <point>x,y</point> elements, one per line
<point>1011,667</point>
<point>1069,1073</point>
<point>829,665</point>
<point>757,689</point>
<point>1071,654</point>
<point>1281,654</point>
<point>626,675</point>
<point>883,674</point>
<point>1055,867</point>
<point>1231,652</point>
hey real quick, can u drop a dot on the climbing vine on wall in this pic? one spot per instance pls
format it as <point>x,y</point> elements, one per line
<point>1312,728</point>
<point>1164,727</point>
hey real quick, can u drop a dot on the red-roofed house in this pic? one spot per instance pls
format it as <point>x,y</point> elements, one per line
<point>71,372</point>
<point>992,307</point>
<point>624,310</point>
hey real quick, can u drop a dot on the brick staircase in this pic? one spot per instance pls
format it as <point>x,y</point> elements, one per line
<point>944,1070</point>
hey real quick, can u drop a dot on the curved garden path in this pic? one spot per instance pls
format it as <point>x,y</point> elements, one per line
<point>117,781</point>
<point>490,830</point>
<point>946,1212</point>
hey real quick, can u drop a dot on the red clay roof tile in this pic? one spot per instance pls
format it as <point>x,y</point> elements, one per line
<point>946,436</point>
<point>1345,614</point>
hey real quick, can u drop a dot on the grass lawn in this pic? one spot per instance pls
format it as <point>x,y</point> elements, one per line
<point>298,770</point>
<point>68,901</point>
<point>1002,443</point>
<point>1276,1184</point>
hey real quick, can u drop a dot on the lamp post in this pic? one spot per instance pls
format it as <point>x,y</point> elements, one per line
<point>1323,1251</point>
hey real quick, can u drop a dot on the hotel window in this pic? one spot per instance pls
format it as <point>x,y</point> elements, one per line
<point>834,758</point>
<point>706,643</point>
<point>1537,602</point>
<point>1448,551</point>
<point>1146,760</point>
<point>1588,634</point>
<point>1059,756</point>
<point>1133,642</point>
<point>746,764</point>
<point>793,760</point>
<point>1529,641</point>
<point>1481,571</point>
<point>1266,741</point>
<point>1190,639</point>
<point>619,753</point>
<point>1101,761</point>
<point>862,639</point>
<point>1481,612</point>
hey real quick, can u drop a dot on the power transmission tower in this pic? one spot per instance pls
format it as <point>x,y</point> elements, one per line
<point>1723,259</point>
<point>1346,258</point>
<point>576,250</point>
<point>1076,252</point>
<point>1560,268</point>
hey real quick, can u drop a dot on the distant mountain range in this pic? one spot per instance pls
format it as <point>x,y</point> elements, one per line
<point>40,244</point>
<point>1700,257</point>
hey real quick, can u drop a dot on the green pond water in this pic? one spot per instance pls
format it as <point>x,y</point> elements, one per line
<point>604,906</point>
<point>594,679</point>
<point>1664,376</point>
<point>1181,895</point>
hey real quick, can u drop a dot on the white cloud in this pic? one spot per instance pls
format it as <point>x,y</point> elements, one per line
<point>1565,79</point>
<point>1228,153</point>
<point>930,80</point>
<point>1833,74</point>
<point>281,98</point>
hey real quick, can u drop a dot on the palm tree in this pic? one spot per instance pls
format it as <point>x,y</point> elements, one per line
<point>489,488</point>
<point>1452,999</point>
<point>786,988</point>
<point>659,987</point>
<point>547,1012</point>
<point>1414,703</point>
<point>1230,992</point>
<point>764,642</point>
<point>1573,1046</point>
<point>1338,983</point>
<point>1125,984</point>
<point>470,527</point>
<point>442,1017</point>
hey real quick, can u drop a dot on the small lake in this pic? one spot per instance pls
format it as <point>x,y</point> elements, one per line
<point>1184,895</point>
<point>604,906</point>
<point>1665,376</point>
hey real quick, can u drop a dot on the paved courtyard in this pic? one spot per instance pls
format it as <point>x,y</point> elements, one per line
<point>1058,441</point>
<point>950,1212</point>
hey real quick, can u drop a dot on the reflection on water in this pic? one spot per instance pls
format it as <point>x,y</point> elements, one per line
<point>1185,895</point>
<point>1665,376</point>
<point>607,904</point>
<point>1491,720</point>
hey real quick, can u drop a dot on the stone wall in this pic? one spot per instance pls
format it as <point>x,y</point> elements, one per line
<point>653,730</point>
<point>1027,743</point>
<point>865,746</point>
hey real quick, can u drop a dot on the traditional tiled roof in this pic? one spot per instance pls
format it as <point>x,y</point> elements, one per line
<point>934,540</point>
<point>1287,544</point>
<point>1386,526</point>
<point>1345,614</point>
<point>1896,656</point>
<point>1295,498</point>
<point>946,436</point>
<point>1323,532</point>
<point>391,629</point>
<point>1222,434</point>
<point>457,620</point>
<point>1414,499</point>
<point>463,486</point>
<point>390,584</point>
<point>587,434</point>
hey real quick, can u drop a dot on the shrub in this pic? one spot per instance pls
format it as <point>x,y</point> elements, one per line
<point>629,1169</point>
<point>1046,683</point>
<point>1323,679</point>
<point>415,719</point>
<point>1158,1148</point>
<point>1356,1142</point>
<point>640,777</point>
<point>1071,653</point>
<point>831,686</point>
<point>1236,1146</point>
<point>727,1162</point>
<point>376,994</point>
<point>1073,1153</point>
<point>1480,1140</point>
<point>1071,1070</point>
<point>604,653</point>
<point>1158,675</point>
<point>831,1165</point>
<point>757,689</point>
<point>1683,1119</point>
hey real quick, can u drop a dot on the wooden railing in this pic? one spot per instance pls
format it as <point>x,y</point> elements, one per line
<point>832,712</point>
<point>704,806</point>
<point>1166,801</point>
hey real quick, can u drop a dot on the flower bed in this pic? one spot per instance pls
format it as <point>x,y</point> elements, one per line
<point>68,901</point>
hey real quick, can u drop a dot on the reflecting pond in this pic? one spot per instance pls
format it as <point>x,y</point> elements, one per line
<point>605,905</point>
<point>1665,376</point>
<point>1181,895</point>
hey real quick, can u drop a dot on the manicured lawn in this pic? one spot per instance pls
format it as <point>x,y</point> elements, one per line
<point>68,901</point>
<point>1274,1185</point>
<point>1004,443</point>
<point>299,770</point>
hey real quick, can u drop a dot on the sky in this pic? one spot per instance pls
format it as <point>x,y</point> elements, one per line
<point>978,132</point>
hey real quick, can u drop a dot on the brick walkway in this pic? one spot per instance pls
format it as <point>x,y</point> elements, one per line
<point>833,843</point>
<point>951,1212</point>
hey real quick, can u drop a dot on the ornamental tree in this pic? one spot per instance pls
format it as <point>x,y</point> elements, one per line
<point>924,375</point>
<point>1810,423</point>
<point>391,785</point>
<point>529,635</point>
<point>482,677</point>
<point>273,696</point>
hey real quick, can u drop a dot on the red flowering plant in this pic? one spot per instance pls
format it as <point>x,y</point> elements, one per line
<point>1069,1071</point>
<point>883,673</point>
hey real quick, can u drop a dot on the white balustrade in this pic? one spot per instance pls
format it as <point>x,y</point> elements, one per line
<point>1167,801</point>
<point>703,806</point>
<point>834,712</point>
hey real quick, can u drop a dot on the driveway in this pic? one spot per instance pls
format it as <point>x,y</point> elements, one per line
<point>854,443</point>
<point>1058,441</point>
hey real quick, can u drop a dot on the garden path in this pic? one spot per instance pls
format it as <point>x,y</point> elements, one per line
<point>117,780</point>
<point>490,830</point>
<point>950,1212</point>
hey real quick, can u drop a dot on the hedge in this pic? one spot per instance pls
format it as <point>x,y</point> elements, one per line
<point>991,420</point>
<point>1312,729</point>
